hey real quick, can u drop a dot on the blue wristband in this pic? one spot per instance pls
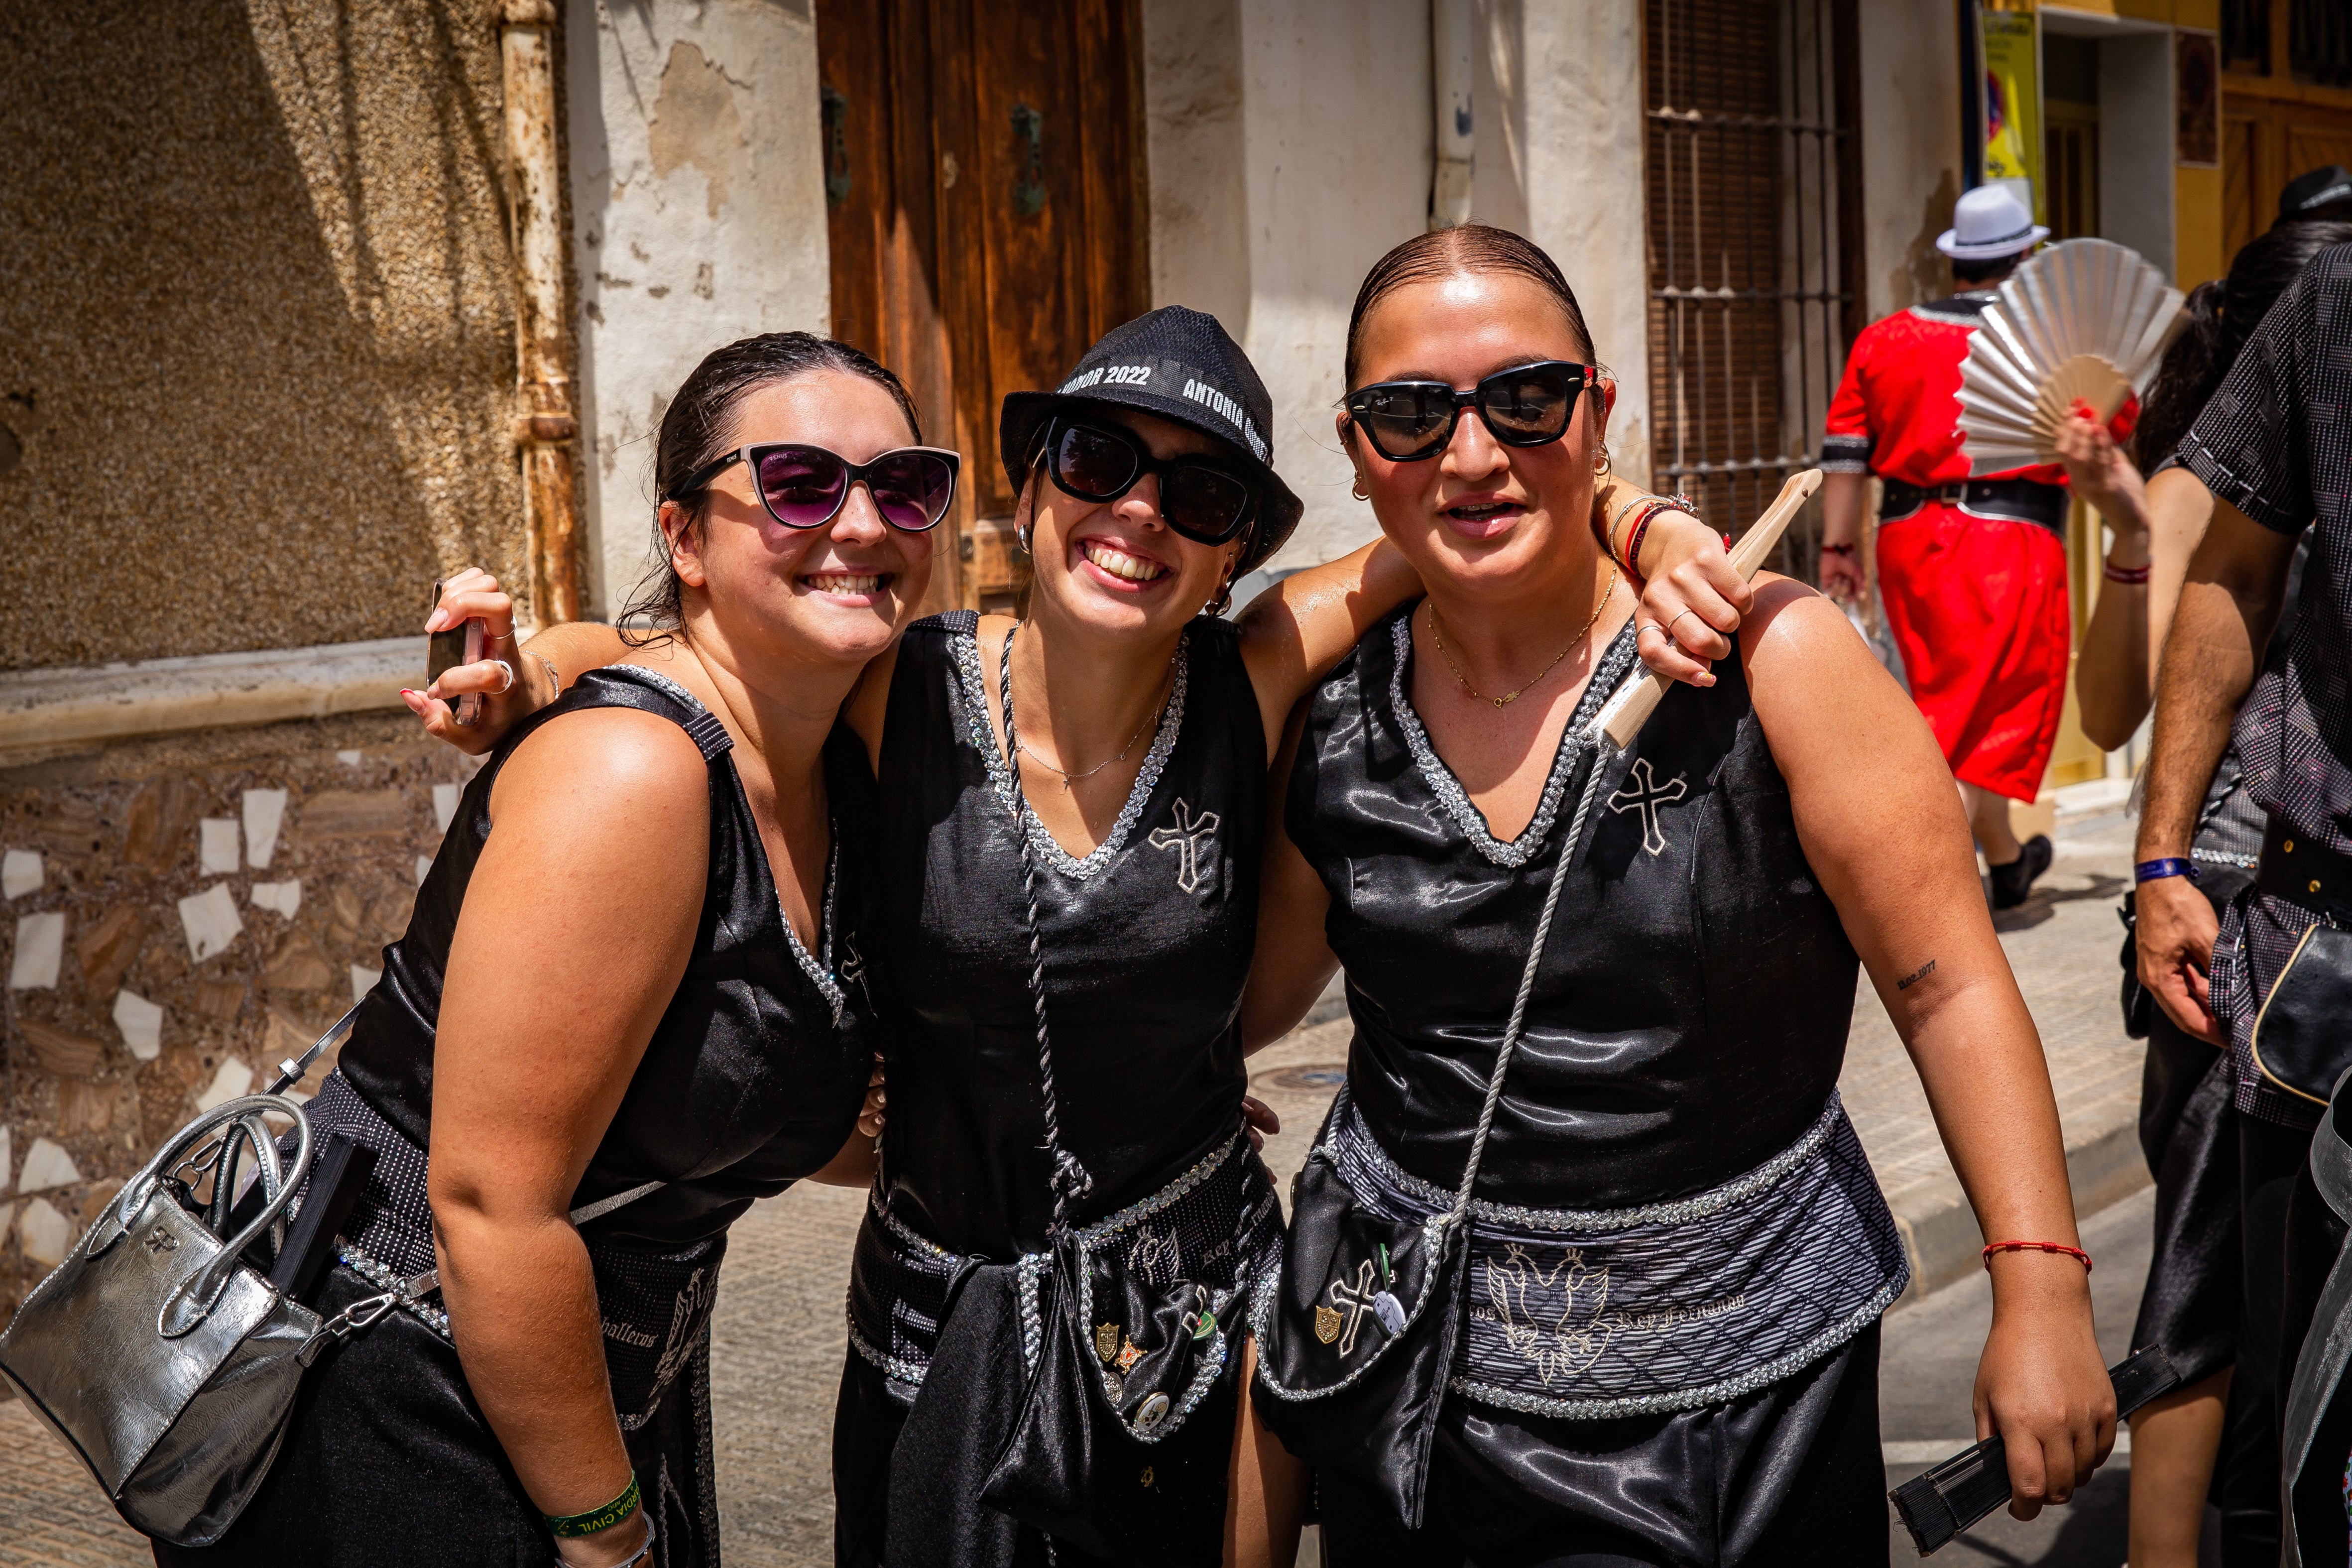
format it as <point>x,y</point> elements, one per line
<point>2155,870</point>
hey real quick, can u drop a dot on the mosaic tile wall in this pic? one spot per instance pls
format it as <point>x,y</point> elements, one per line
<point>180,915</point>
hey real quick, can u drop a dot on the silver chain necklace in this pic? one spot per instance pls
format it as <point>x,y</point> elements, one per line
<point>1149,719</point>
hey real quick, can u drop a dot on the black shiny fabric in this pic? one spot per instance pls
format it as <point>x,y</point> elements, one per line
<point>2189,1132</point>
<point>1687,1023</point>
<point>1649,1070</point>
<point>749,1083</point>
<point>1147,945</point>
<point>1789,1475</point>
<point>1144,976</point>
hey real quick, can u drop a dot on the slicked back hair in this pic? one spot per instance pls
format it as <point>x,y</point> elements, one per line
<point>1442,253</point>
<point>702,416</point>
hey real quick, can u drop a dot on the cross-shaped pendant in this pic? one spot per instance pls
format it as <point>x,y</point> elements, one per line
<point>1355,1301</point>
<point>1644,796</point>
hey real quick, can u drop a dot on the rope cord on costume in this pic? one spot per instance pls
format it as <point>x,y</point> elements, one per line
<point>1527,988</point>
<point>1071,1181</point>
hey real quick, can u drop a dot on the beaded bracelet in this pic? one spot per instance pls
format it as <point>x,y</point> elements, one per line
<point>1640,530</point>
<point>573,1525</point>
<point>2134,575</point>
<point>2076,1253</point>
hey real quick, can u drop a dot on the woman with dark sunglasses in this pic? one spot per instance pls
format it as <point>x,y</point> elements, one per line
<point>1667,1254</point>
<point>1065,846</point>
<point>614,1020</point>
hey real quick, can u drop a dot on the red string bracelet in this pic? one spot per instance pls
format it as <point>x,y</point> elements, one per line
<point>2076,1253</point>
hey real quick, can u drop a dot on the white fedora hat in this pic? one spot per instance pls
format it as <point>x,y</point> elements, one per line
<point>1987,223</point>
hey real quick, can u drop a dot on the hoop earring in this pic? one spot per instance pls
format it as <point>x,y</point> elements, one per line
<point>1021,537</point>
<point>1600,469</point>
<point>1358,489</point>
<point>1224,599</point>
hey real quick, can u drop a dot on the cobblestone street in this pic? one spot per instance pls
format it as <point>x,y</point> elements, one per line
<point>779,1335</point>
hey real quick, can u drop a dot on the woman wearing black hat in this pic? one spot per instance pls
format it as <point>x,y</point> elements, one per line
<point>1048,1294</point>
<point>1587,1264</point>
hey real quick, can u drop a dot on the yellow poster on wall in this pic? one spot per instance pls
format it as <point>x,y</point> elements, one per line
<point>2012,59</point>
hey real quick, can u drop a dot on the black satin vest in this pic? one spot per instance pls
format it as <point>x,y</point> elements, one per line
<point>1147,945</point>
<point>755,1073</point>
<point>1690,1014</point>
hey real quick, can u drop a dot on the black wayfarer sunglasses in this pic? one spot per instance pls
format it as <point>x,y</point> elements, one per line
<point>1407,421</point>
<point>806,487</point>
<point>1200,497</point>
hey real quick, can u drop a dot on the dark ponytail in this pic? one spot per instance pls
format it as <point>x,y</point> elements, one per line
<point>2223,315</point>
<point>699,424</point>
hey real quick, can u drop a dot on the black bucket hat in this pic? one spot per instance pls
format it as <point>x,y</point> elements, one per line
<point>1183,367</point>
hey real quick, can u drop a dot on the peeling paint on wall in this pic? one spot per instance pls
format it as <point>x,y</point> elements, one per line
<point>695,123</point>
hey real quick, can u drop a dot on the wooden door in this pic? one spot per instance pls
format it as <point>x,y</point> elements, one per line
<point>985,192</point>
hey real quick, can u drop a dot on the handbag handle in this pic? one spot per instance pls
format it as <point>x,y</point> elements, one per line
<point>193,1302</point>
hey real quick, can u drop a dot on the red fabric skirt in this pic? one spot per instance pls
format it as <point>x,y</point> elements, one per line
<point>1979,607</point>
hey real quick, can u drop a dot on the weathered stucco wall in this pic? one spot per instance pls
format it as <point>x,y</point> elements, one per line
<point>256,342</point>
<point>697,202</point>
<point>180,915</point>
<point>1910,149</point>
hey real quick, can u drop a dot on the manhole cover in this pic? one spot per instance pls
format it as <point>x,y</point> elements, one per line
<point>1307,1075</point>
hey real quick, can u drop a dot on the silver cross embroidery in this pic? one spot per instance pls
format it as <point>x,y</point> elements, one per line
<point>1187,838</point>
<point>853,970</point>
<point>1647,797</point>
<point>1356,1300</point>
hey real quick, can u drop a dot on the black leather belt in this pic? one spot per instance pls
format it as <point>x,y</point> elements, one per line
<point>2017,501</point>
<point>2300,870</point>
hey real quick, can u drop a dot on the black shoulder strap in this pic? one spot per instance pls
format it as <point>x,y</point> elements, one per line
<point>629,686</point>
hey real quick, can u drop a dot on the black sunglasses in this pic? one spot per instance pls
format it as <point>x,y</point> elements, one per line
<point>1407,421</point>
<point>806,487</point>
<point>1200,497</point>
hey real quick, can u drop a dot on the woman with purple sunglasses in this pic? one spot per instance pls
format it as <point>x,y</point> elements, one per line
<point>615,1021</point>
<point>1059,907</point>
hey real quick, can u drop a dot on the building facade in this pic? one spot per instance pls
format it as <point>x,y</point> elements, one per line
<point>343,298</point>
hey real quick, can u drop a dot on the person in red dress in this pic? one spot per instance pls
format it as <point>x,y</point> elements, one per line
<point>1972,571</point>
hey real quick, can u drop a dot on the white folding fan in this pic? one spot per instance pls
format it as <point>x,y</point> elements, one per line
<point>2083,320</point>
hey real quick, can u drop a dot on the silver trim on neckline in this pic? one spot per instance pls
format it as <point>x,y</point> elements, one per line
<point>966,645</point>
<point>1606,674</point>
<point>819,971</point>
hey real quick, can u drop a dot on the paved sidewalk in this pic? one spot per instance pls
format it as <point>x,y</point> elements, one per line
<point>779,1337</point>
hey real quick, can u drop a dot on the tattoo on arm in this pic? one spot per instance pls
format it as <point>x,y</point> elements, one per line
<point>1915,976</point>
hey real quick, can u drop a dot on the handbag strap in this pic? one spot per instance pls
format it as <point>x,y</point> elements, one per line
<point>1512,1031</point>
<point>1070,1179</point>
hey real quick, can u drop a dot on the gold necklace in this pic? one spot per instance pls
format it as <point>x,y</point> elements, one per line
<point>1149,717</point>
<point>1438,637</point>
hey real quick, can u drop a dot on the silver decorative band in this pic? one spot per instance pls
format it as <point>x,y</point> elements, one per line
<point>1356,1144</point>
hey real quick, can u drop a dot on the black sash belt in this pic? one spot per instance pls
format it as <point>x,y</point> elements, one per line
<point>2016,500</point>
<point>2302,871</point>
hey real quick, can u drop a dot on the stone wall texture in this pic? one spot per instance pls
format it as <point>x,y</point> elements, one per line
<point>180,915</point>
<point>257,330</point>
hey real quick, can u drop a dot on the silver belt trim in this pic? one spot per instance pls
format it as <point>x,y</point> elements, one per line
<point>1674,1211</point>
<point>1031,1267</point>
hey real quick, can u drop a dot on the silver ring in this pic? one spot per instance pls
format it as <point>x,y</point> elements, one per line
<point>503,690</point>
<point>506,636</point>
<point>1652,626</point>
<point>1677,615</point>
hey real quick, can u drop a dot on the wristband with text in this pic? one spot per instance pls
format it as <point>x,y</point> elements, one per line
<point>2157,871</point>
<point>596,1519</point>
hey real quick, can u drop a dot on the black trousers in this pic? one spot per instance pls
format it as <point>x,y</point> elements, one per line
<point>1790,1475</point>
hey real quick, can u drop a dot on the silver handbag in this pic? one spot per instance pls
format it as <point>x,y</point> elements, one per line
<point>167,1363</point>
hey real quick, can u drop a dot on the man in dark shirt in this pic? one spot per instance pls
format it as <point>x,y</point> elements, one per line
<point>2274,446</point>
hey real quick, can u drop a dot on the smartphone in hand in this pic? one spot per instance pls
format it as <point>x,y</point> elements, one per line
<point>449,649</point>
